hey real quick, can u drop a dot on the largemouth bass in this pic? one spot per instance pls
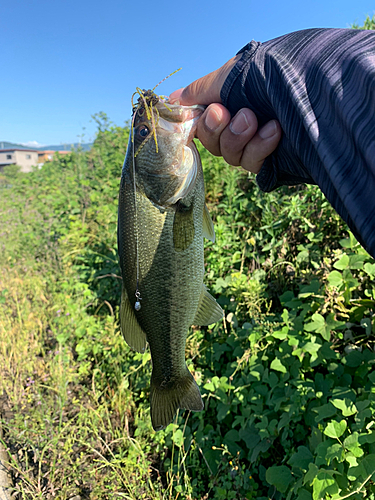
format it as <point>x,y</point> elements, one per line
<point>162,220</point>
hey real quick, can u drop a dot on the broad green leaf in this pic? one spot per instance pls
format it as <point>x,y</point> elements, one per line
<point>311,347</point>
<point>281,334</point>
<point>319,325</point>
<point>321,451</point>
<point>317,322</point>
<point>209,386</point>
<point>311,474</point>
<point>280,477</point>
<point>370,269</point>
<point>356,261</point>
<point>352,441</point>
<point>333,324</point>
<point>335,278</point>
<point>345,405</point>
<point>351,459</point>
<point>301,458</point>
<point>342,263</point>
<point>364,470</point>
<point>232,435</point>
<point>323,485</point>
<point>324,411</point>
<point>335,451</point>
<point>335,429</point>
<point>304,495</point>
<point>178,438</point>
<point>367,438</point>
<point>354,358</point>
<point>368,463</point>
<point>222,410</point>
<point>278,366</point>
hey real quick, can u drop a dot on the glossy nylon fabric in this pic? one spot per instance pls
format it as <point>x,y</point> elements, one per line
<point>320,85</point>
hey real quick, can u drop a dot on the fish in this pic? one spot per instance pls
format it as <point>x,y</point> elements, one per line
<point>162,221</point>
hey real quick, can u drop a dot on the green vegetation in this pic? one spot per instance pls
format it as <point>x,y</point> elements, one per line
<point>288,378</point>
<point>369,24</point>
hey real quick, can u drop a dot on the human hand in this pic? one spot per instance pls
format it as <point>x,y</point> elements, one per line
<point>236,139</point>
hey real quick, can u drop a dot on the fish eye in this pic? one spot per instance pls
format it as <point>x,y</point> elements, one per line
<point>143,131</point>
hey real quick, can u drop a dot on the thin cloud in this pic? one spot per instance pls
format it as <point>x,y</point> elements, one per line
<point>33,144</point>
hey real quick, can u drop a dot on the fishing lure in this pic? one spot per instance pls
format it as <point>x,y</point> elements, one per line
<point>146,103</point>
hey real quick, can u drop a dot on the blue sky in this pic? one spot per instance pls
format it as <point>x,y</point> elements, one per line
<point>63,61</point>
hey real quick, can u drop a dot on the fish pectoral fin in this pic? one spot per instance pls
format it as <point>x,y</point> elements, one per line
<point>183,392</point>
<point>208,311</point>
<point>208,225</point>
<point>133,334</point>
<point>183,227</point>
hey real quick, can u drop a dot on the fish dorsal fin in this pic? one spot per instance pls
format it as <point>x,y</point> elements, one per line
<point>183,227</point>
<point>133,334</point>
<point>208,311</point>
<point>208,225</point>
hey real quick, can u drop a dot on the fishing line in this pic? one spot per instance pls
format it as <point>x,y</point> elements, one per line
<point>149,99</point>
<point>137,305</point>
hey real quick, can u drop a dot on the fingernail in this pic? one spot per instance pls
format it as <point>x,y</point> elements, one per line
<point>268,130</point>
<point>213,120</point>
<point>239,123</point>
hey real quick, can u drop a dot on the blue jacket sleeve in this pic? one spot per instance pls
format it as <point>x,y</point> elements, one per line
<point>320,85</point>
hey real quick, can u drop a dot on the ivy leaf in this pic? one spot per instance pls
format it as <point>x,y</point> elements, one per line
<point>356,261</point>
<point>351,459</point>
<point>345,405</point>
<point>342,263</point>
<point>370,269</point>
<point>278,366</point>
<point>301,459</point>
<point>323,485</point>
<point>365,470</point>
<point>354,358</point>
<point>322,450</point>
<point>280,477</point>
<point>222,410</point>
<point>368,463</point>
<point>311,474</point>
<point>335,451</point>
<point>352,441</point>
<point>178,438</point>
<point>335,279</point>
<point>324,411</point>
<point>335,429</point>
<point>319,325</point>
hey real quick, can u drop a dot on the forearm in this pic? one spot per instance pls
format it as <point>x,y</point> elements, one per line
<point>320,85</point>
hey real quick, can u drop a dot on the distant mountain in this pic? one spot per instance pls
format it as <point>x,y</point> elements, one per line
<point>62,147</point>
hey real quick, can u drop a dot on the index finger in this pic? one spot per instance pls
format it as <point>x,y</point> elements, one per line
<point>205,90</point>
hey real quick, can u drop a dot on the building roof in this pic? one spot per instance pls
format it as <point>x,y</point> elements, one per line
<point>18,149</point>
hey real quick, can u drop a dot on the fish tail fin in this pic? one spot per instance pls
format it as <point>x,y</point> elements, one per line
<point>164,401</point>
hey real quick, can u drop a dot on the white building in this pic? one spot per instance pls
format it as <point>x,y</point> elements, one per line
<point>25,158</point>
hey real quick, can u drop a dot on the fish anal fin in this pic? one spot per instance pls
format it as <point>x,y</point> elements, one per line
<point>183,227</point>
<point>208,225</point>
<point>165,400</point>
<point>208,311</point>
<point>133,334</point>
